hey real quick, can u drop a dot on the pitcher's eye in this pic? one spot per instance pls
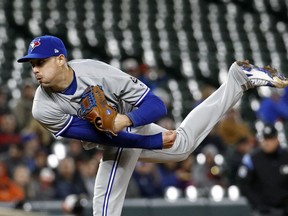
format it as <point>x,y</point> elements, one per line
<point>38,63</point>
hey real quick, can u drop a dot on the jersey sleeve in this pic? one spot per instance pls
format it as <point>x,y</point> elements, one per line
<point>126,87</point>
<point>49,114</point>
<point>151,109</point>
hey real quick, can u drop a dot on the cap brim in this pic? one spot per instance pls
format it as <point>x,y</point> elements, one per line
<point>32,56</point>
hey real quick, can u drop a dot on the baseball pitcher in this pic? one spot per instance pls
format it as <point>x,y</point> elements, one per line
<point>95,102</point>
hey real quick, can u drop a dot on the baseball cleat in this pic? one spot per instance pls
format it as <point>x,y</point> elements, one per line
<point>266,76</point>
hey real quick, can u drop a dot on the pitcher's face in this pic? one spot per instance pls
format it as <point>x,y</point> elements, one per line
<point>46,71</point>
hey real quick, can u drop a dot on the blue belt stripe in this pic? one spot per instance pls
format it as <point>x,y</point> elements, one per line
<point>111,181</point>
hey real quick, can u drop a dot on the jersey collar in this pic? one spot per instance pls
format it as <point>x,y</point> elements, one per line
<point>71,89</point>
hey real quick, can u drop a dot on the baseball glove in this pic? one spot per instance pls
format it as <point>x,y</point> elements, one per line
<point>95,109</point>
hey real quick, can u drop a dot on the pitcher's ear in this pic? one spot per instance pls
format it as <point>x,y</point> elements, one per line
<point>61,59</point>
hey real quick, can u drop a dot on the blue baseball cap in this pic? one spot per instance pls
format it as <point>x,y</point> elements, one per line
<point>44,47</point>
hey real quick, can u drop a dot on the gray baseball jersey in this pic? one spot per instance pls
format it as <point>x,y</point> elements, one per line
<point>123,92</point>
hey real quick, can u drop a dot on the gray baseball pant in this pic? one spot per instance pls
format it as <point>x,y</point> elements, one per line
<point>117,164</point>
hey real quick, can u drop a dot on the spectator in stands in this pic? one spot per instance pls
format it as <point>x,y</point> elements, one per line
<point>274,108</point>
<point>284,100</point>
<point>184,172</point>
<point>3,101</point>
<point>234,157</point>
<point>151,76</point>
<point>40,160</point>
<point>133,190</point>
<point>214,139</point>
<point>284,95</point>
<point>43,135</point>
<point>22,177</point>
<point>207,173</point>
<point>206,90</point>
<point>132,67</point>
<point>9,190</point>
<point>9,133</point>
<point>170,175</point>
<point>88,168</point>
<point>43,186</point>
<point>75,149</point>
<point>68,180</point>
<point>14,158</point>
<point>231,128</point>
<point>148,180</point>
<point>31,146</point>
<point>24,103</point>
<point>263,176</point>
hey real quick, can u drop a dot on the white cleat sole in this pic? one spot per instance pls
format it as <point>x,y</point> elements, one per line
<point>266,76</point>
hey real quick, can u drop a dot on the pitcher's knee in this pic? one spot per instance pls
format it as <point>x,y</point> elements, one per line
<point>237,74</point>
<point>181,157</point>
<point>234,67</point>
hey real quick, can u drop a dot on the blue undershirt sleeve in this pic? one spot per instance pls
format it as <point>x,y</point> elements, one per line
<point>150,109</point>
<point>83,130</point>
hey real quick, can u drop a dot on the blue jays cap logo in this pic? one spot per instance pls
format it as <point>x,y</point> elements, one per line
<point>34,44</point>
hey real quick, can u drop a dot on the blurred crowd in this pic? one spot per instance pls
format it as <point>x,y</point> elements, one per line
<point>31,169</point>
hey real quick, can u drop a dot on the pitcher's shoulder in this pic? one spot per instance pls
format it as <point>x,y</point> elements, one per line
<point>86,62</point>
<point>42,93</point>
